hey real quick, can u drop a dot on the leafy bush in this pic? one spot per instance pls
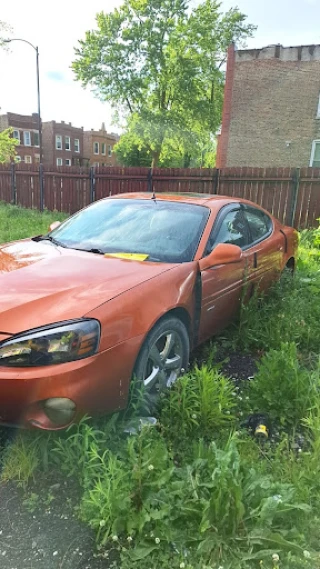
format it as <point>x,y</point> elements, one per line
<point>283,387</point>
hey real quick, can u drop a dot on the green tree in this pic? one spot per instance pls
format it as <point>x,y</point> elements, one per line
<point>7,145</point>
<point>159,63</point>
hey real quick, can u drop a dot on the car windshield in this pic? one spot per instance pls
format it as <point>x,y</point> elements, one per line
<point>157,230</point>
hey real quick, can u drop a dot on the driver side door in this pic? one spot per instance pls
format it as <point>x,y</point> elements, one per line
<point>222,284</point>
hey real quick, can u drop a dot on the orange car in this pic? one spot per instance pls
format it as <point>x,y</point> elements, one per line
<point>125,288</point>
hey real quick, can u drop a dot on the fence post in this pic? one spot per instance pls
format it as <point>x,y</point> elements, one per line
<point>92,184</point>
<point>41,186</point>
<point>216,181</point>
<point>149,180</point>
<point>295,195</point>
<point>13,183</point>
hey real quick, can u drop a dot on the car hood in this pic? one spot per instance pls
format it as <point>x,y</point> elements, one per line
<point>41,283</point>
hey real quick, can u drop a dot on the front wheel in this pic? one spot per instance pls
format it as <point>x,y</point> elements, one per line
<point>164,354</point>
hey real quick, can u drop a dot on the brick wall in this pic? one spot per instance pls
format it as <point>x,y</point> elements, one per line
<point>271,103</point>
<point>24,124</point>
<point>223,140</point>
<point>101,137</point>
<point>52,129</point>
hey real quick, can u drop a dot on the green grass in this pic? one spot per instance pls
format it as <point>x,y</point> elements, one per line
<point>197,491</point>
<point>20,223</point>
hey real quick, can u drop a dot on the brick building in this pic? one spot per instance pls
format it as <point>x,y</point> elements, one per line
<point>271,112</point>
<point>26,131</point>
<point>62,144</point>
<point>98,147</point>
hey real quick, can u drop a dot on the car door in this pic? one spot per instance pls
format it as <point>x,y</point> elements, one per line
<point>222,284</point>
<point>263,254</point>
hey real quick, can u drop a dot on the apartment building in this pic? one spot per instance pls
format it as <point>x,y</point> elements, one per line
<point>98,147</point>
<point>62,144</point>
<point>26,131</point>
<point>271,113</point>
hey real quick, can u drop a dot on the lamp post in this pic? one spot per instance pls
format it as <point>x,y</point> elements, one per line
<point>39,112</point>
<point>38,88</point>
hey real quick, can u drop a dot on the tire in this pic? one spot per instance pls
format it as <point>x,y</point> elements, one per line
<point>164,354</point>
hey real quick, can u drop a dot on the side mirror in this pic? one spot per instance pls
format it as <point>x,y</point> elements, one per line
<point>54,225</point>
<point>222,254</point>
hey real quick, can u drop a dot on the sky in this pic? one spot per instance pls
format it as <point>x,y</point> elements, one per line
<point>57,26</point>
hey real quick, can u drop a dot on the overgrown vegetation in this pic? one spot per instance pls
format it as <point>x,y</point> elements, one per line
<point>198,491</point>
<point>19,223</point>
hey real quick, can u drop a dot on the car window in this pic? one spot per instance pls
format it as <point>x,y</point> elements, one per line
<point>260,223</point>
<point>161,230</point>
<point>232,229</point>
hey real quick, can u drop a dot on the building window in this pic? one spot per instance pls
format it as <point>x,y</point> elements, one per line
<point>26,138</point>
<point>103,148</point>
<point>109,150</point>
<point>318,109</point>
<point>36,139</point>
<point>67,143</point>
<point>37,157</point>
<point>96,148</point>
<point>58,142</point>
<point>28,159</point>
<point>59,162</point>
<point>315,154</point>
<point>76,145</point>
<point>68,162</point>
<point>16,135</point>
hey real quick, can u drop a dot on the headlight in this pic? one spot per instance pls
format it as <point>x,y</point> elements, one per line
<point>64,342</point>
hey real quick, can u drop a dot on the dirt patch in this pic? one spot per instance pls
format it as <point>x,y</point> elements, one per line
<point>239,366</point>
<point>39,529</point>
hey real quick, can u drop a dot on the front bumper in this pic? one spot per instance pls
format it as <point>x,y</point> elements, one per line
<point>96,385</point>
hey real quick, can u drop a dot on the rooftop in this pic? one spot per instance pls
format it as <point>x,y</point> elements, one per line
<point>277,51</point>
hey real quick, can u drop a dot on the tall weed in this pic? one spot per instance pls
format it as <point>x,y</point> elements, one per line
<point>200,403</point>
<point>283,388</point>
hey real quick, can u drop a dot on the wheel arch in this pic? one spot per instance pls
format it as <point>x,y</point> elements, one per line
<point>178,312</point>
<point>291,264</point>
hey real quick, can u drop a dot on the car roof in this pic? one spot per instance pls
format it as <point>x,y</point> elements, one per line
<point>208,200</point>
<point>214,202</point>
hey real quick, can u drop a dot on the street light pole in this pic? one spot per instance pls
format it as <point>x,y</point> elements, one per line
<point>39,114</point>
<point>38,89</point>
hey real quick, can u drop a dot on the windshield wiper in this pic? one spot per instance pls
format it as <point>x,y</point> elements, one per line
<point>48,238</point>
<point>93,250</point>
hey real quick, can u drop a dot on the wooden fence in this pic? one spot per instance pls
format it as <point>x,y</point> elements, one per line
<point>291,194</point>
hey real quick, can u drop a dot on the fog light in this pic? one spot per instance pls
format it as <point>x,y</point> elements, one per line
<point>59,410</point>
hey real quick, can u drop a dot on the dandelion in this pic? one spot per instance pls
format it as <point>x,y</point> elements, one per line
<point>277,498</point>
<point>102,523</point>
<point>306,554</point>
<point>150,467</point>
<point>275,558</point>
<point>194,416</point>
<point>157,540</point>
<point>115,538</point>
<point>182,565</point>
<point>129,539</point>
